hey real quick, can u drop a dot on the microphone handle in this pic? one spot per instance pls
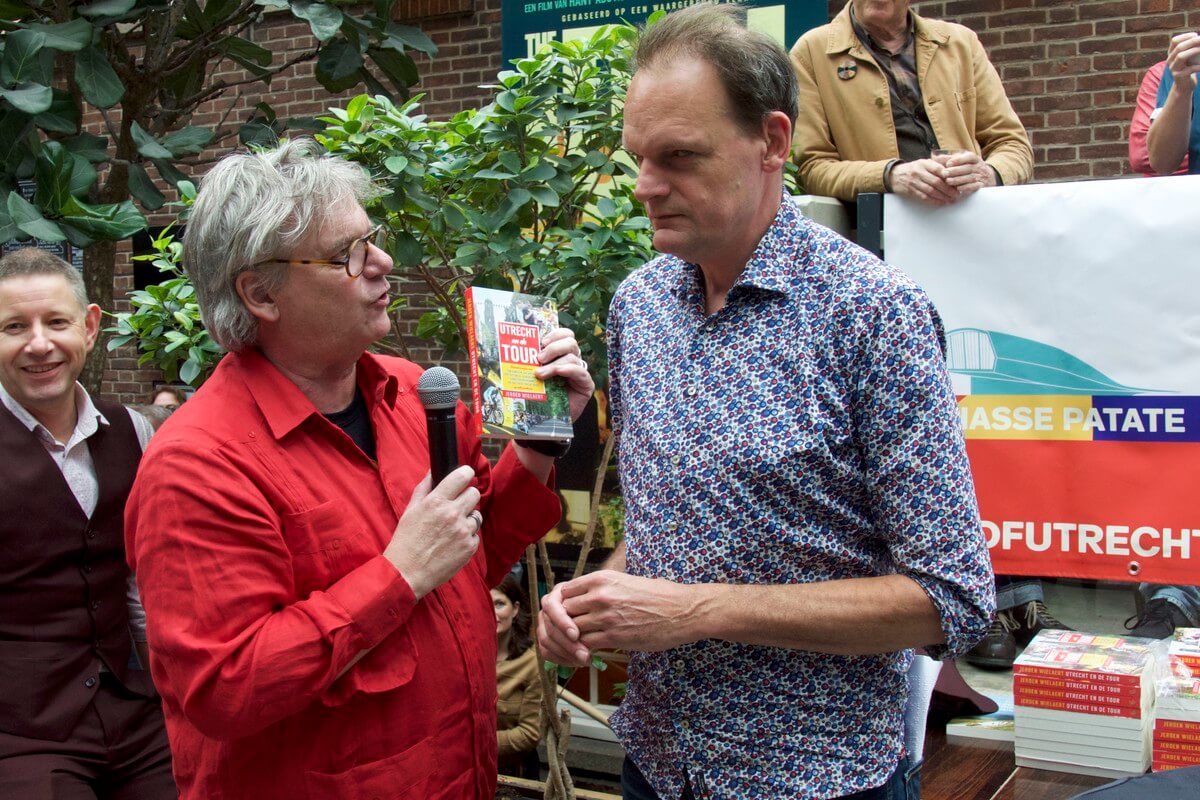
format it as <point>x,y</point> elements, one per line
<point>443,442</point>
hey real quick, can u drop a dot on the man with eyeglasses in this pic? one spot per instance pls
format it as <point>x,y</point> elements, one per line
<point>320,612</point>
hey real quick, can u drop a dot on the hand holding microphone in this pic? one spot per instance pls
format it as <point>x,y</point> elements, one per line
<point>439,530</point>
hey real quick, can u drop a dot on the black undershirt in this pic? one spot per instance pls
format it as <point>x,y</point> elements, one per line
<point>356,422</point>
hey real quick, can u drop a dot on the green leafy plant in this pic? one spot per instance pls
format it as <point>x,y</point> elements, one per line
<point>165,321</point>
<point>530,193</point>
<point>144,68</point>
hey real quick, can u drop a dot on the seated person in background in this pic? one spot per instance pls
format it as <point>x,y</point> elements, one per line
<point>883,88</point>
<point>1175,123</point>
<point>171,397</point>
<point>155,414</point>
<point>1165,609</point>
<point>1139,127</point>
<point>518,685</point>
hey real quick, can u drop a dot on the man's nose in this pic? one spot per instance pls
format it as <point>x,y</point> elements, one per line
<point>39,343</point>
<point>649,184</point>
<point>378,260</point>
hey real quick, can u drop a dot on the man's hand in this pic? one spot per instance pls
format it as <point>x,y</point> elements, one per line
<point>1183,60</point>
<point>923,180</point>
<point>438,532</point>
<point>609,609</point>
<point>966,173</point>
<point>561,356</point>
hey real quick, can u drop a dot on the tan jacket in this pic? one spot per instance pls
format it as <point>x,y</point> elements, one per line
<point>518,704</point>
<point>845,135</point>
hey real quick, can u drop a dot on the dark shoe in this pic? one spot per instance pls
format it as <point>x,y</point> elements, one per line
<point>998,648</point>
<point>1158,620</point>
<point>1034,617</point>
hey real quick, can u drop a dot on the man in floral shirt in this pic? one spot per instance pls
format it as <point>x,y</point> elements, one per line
<point>800,512</point>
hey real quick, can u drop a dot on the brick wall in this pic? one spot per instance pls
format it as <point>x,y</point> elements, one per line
<point>1072,71</point>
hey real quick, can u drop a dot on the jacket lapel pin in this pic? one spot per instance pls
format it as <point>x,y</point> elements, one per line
<point>847,70</point>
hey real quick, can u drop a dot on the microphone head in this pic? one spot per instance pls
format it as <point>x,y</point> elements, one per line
<point>438,389</point>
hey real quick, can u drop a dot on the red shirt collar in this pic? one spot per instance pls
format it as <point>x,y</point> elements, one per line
<point>285,407</point>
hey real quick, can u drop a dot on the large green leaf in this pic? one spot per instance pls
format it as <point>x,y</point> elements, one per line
<point>22,61</point>
<point>254,58</point>
<point>337,66</point>
<point>83,175</point>
<point>31,222</point>
<point>323,19</point>
<point>53,177</point>
<point>96,78</point>
<point>13,9</point>
<point>410,37</point>
<point>69,37</point>
<point>88,145</point>
<point>8,230</point>
<point>110,222</point>
<point>30,98</point>
<point>61,117</point>
<point>217,10</point>
<point>396,66</point>
<point>187,140</point>
<point>147,145</point>
<point>143,188</point>
<point>107,8</point>
<point>168,171</point>
<point>14,139</point>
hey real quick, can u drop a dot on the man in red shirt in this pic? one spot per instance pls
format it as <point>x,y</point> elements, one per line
<point>319,618</point>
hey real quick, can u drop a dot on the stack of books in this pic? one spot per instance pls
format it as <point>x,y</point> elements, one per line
<point>1083,703</point>
<point>1177,709</point>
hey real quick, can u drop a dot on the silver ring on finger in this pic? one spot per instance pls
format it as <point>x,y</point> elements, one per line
<point>478,518</point>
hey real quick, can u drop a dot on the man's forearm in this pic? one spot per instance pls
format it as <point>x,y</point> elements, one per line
<point>616,559</point>
<point>1167,141</point>
<point>846,617</point>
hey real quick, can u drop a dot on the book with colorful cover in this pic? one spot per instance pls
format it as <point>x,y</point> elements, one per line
<point>1087,657</point>
<point>1178,699</point>
<point>1185,647</point>
<point>504,333</point>
<point>997,726</point>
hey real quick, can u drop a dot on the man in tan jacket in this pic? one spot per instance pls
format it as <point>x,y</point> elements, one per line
<point>893,102</point>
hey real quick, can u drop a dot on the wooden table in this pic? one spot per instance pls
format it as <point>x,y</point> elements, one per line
<point>985,770</point>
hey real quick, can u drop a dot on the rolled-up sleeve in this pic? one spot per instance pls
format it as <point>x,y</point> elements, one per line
<point>919,480</point>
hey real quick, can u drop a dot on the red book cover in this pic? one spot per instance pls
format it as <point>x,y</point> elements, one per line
<point>1104,692</point>
<point>1095,709</point>
<point>1062,673</point>
<point>1021,695</point>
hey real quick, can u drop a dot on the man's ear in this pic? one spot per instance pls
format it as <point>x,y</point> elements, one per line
<point>777,133</point>
<point>91,325</point>
<point>251,288</point>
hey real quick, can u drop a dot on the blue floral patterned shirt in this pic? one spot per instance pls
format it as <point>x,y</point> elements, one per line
<point>805,432</point>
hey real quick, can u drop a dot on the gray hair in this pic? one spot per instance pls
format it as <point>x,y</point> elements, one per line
<point>754,69</point>
<point>253,207</point>
<point>34,261</point>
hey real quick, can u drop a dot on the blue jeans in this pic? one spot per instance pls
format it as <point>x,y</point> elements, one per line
<point>1013,591</point>
<point>1185,598</point>
<point>904,784</point>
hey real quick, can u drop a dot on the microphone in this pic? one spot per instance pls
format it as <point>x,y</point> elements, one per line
<point>438,390</point>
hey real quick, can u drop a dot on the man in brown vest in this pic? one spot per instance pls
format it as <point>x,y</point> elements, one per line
<point>76,721</point>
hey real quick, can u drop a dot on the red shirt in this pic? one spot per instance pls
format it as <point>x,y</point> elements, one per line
<point>1139,128</point>
<point>256,529</point>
